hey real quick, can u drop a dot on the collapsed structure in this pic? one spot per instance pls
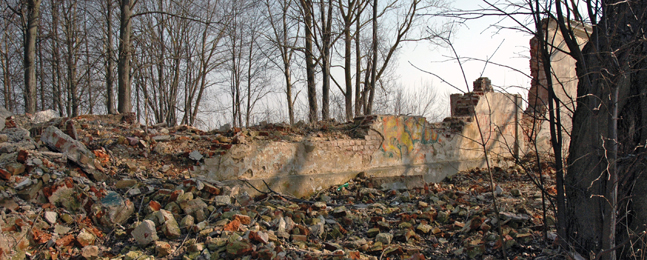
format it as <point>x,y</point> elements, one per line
<point>404,149</point>
<point>383,146</point>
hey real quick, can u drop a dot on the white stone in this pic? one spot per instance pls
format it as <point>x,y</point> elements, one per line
<point>145,233</point>
<point>50,216</point>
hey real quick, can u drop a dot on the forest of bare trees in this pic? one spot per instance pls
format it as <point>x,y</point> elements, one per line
<point>206,62</point>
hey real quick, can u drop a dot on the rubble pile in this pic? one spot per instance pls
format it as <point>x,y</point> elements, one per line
<point>105,187</point>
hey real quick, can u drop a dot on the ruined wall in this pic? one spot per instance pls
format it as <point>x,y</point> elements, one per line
<point>564,80</point>
<point>380,146</point>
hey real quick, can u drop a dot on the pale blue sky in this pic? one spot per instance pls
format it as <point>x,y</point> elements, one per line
<point>472,40</point>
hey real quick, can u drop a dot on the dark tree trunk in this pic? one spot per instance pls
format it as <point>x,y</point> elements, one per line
<point>608,137</point>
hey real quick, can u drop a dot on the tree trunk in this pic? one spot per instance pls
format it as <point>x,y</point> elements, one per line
<point>348,96</point>
<point>31,33</point>
<point>56,60</point>
<point>110,63</point>
<point>326,23</point>
<point>358,66</point>
<point>123,70</point>
<point>369,105</point>
<point>606,177</point>
<point>310,66</point>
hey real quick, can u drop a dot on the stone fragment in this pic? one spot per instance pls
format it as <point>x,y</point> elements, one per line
<point>127,183</point>
<point>5,175</point>
<point>222,200</point>
<point>515,192</point>
<point>114,209</point>
<point>61,229</point>
<point>193,205</point>
<point>32,191</point>
<point>384,238</point>
<point>74,150</point>
<point>85,238</point>
<point>187,221</point>
<point>3,138</point>
<point>239,248</point>
<point>90,251</point>
<point>50,216</point>
<point>424,228</point>
<point>145,233</point>
<point>260,237</point>
<point>163,248</point>
<point>195,155</point>
<point>244,219</point>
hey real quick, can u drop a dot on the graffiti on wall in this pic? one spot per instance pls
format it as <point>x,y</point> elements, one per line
<point>401,134</point>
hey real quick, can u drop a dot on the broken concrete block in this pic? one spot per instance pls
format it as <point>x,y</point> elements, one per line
<point>145,233</point>
<point>51,216</point>
<point>222,200</point>
<point>163,248</point>
<point>85,238</point>
<point>114,210</point>
<point>90,251</point>
<point>192,206</point>
<point>74,150</point>
<point>384,238</point>
<point>195,155</point>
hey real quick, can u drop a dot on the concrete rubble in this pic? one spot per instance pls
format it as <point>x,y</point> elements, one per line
<point>99,187</point>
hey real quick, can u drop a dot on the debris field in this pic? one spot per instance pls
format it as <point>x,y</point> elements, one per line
<point>107,187</point>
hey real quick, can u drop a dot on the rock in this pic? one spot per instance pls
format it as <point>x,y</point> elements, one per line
<point>260,237</point>
<point>4,113</point>
<point>193,205</point>
<point>171,229</point>
<point>32,191</point>
<point>114,209</point>
<point>44,116</point>
<point>90,251</point>
<point>163,248</point>
<point>74,150</point>
<point>498,190</point>
<point>162,138</point>
<point>3,138</point>
<point>195,155</point>
<point>61,230</point>
<point>222,200</point>
<point>515,192</point>
<point>384,238</point>
<point>50,216</point>
<point>424,228</point>
<point>187,221</point>
<point>145,233</point>
<point>85,238</point>
<point>373,232</point>
<point>127,183</point>
<point>244,219</point>
<point>238,248</point>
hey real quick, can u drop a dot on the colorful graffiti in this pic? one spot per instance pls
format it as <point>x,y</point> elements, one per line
<point>401,134</point>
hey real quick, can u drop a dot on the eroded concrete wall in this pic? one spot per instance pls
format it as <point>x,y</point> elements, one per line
<point>564,82</point>
<point>380,146</point>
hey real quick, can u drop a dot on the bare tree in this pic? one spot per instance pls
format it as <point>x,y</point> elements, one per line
<point>123,67</point>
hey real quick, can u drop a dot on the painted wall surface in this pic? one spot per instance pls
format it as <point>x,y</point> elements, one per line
<point>388,146</point>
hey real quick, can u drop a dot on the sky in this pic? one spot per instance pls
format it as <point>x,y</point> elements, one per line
<point>476,40</point>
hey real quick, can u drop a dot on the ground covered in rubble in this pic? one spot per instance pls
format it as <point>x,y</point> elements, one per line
<point>104,187</point>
